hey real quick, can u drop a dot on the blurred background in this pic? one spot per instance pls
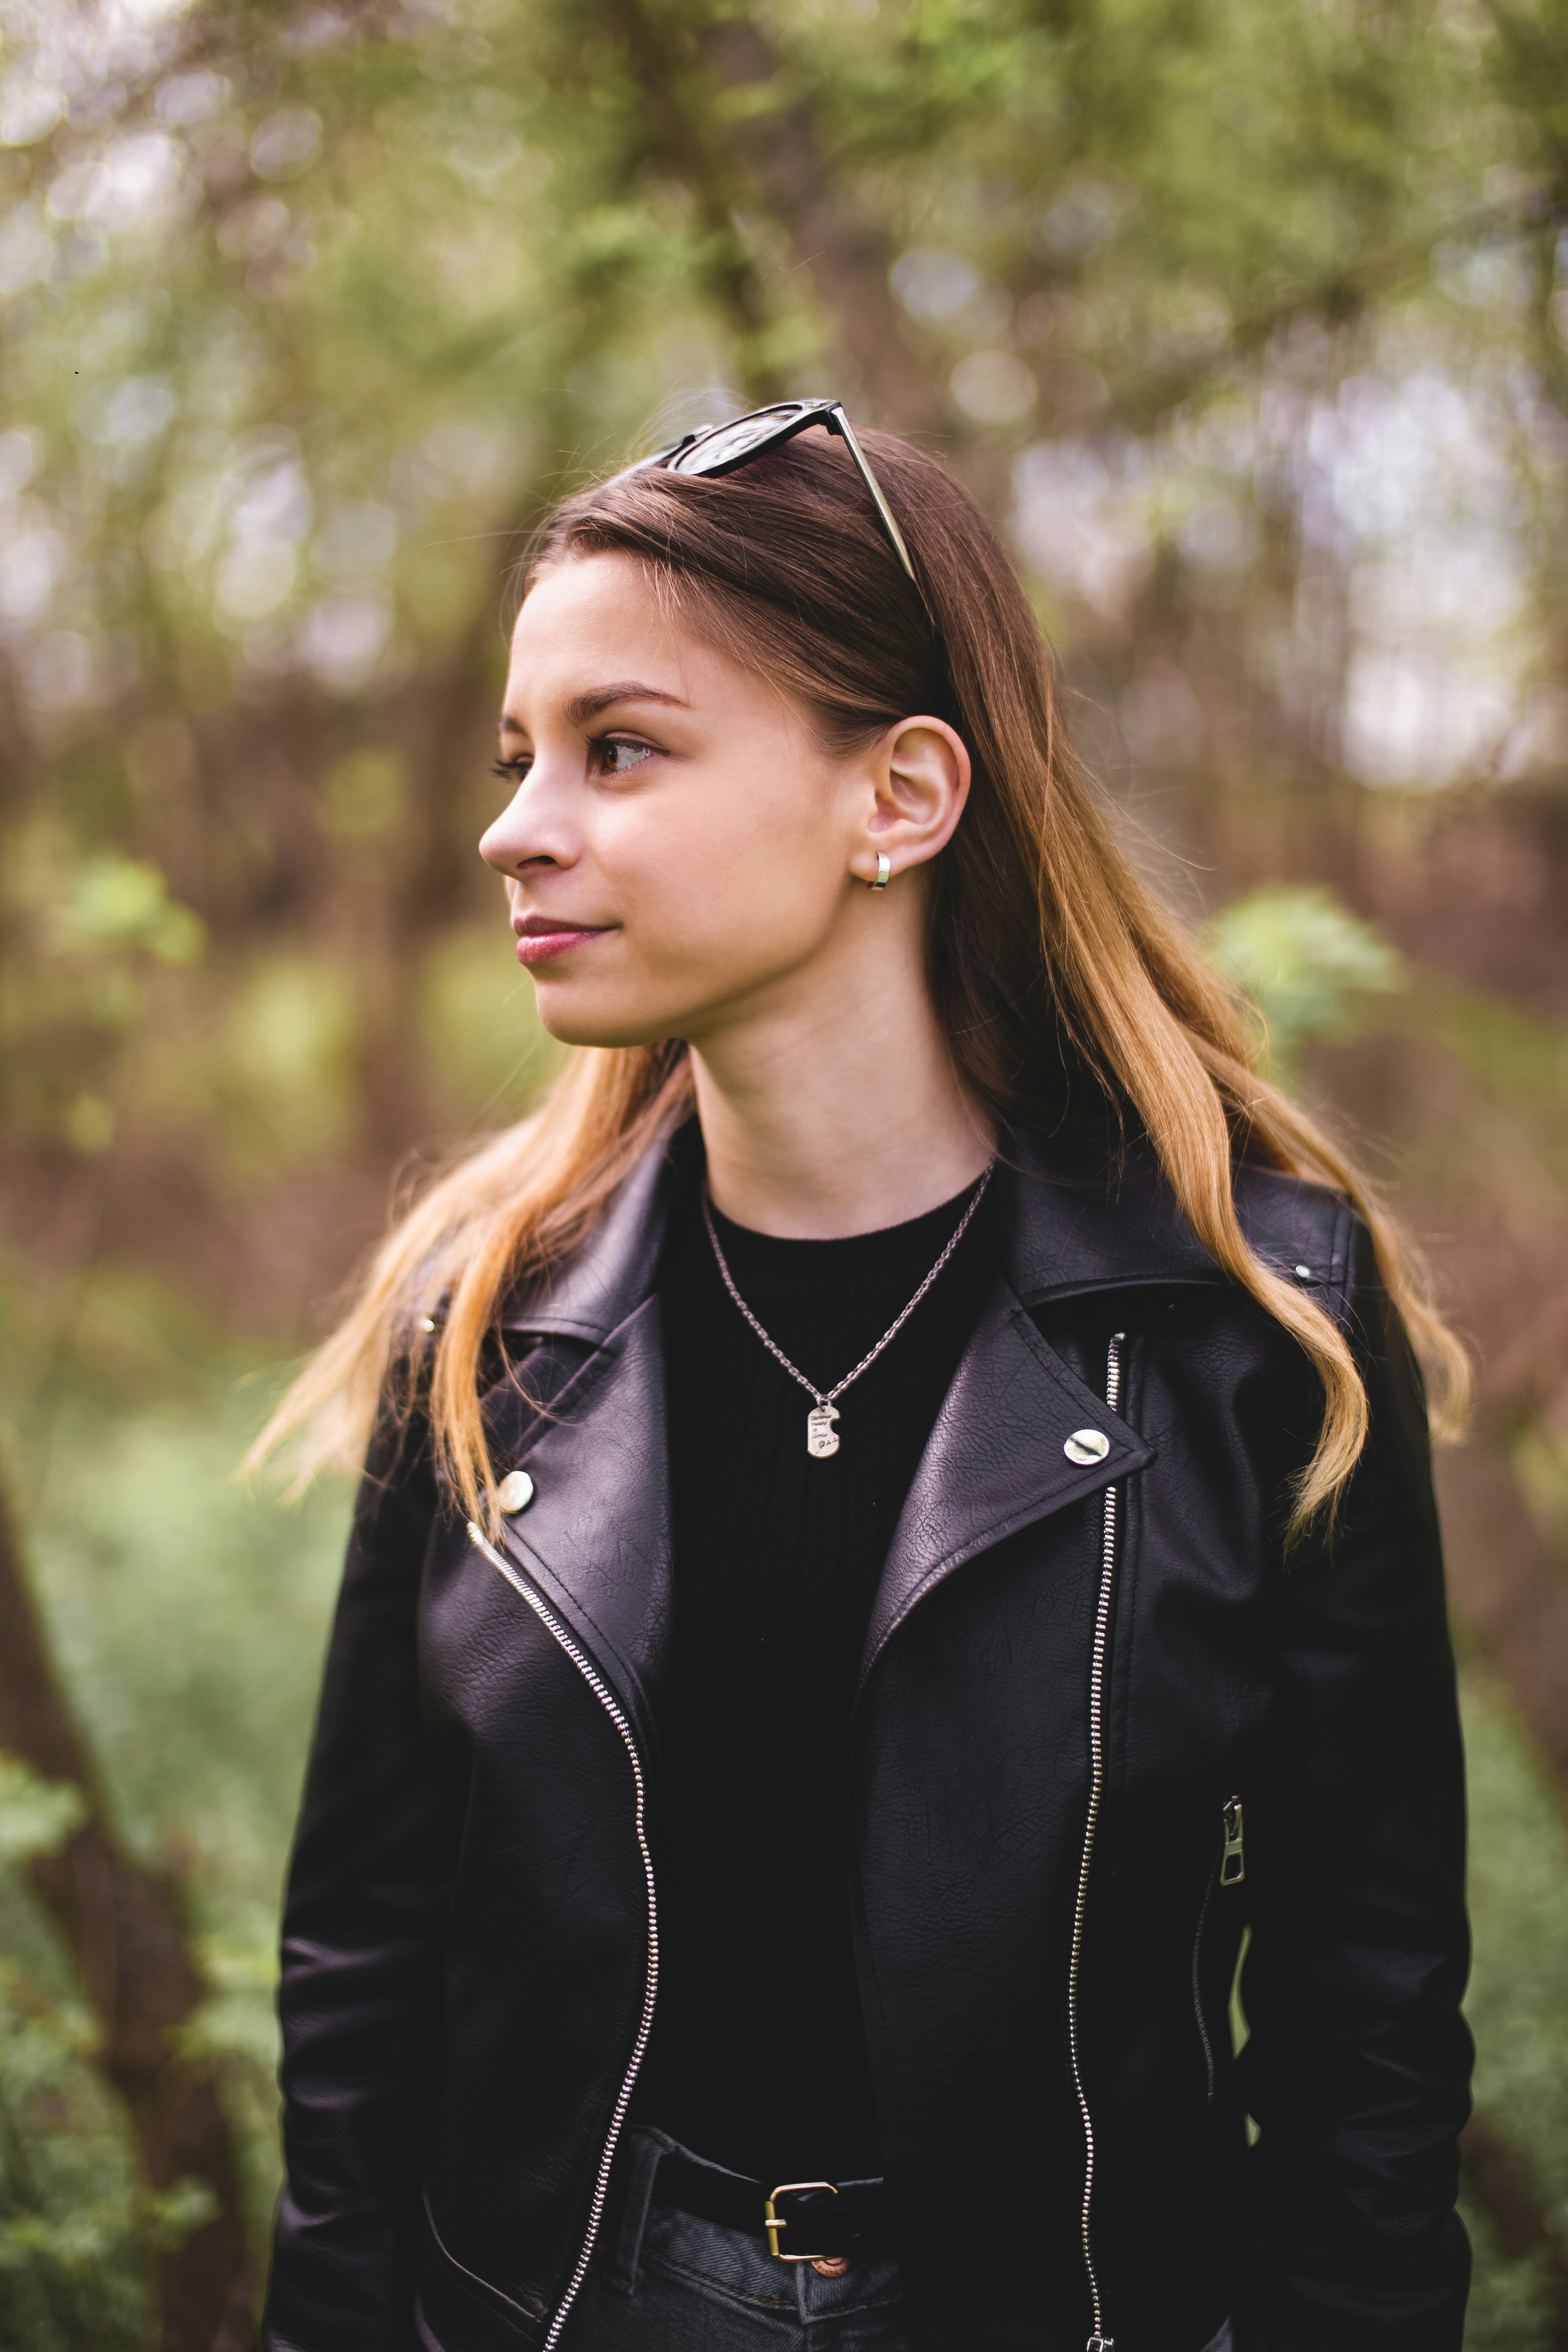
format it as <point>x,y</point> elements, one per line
<point>1247,320</point>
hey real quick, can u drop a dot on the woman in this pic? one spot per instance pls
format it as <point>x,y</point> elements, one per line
<point>896,1544</point>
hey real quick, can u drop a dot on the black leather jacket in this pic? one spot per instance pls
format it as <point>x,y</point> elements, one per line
<point>1105,1736</point>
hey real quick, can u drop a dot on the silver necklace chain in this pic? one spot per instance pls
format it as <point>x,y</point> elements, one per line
<point>821,1437</point>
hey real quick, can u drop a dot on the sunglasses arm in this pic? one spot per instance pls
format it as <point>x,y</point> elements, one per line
<point>837,422</point>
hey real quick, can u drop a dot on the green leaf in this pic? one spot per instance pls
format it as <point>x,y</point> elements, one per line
<point>36,1816</point>
<point>1302,961</point>
<point>173,2215</point>
<point>124,901</point>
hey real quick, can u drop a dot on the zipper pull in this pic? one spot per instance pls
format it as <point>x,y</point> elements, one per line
<point>1233,1858</point>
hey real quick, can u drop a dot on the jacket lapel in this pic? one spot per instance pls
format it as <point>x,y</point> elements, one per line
<point>996,1461</point>
<point>595,1536</point>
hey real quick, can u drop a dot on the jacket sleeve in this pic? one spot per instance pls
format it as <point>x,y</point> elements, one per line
<point>366,1897</point>
<point>1358,2066</point>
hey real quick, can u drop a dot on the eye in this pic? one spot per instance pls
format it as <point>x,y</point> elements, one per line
<point>616,757</point>
<point>512,772</point>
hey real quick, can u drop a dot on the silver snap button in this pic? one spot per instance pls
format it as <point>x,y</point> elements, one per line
<point>1303,1274</point>
<point>515,1491</point>
<point>1087,1445</point>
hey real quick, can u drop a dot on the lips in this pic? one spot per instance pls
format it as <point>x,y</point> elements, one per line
<point>541,937</point>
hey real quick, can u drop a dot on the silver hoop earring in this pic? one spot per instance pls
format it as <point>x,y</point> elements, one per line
<point>884,869</point>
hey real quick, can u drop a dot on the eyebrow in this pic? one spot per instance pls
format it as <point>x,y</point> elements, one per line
<point>584,707</point>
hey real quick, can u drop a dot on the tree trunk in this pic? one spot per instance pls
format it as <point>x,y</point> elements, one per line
<point>775,158</point>
<point>701,157</point>
<point>122,1925</point>
<point>848,261</point>
<point>1508,1589</point>
<point>1498,2174</point>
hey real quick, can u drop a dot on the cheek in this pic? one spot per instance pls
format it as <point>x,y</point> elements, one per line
<point>756,862</point>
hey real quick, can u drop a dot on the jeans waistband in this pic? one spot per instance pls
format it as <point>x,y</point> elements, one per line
<point>736,2263</point>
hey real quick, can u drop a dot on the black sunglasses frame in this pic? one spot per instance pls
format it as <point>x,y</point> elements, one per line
<point>687,456</point>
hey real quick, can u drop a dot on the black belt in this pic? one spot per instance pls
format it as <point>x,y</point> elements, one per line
<point>802,2220</point>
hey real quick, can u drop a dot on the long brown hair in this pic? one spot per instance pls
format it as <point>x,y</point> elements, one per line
<point>1052,965</point>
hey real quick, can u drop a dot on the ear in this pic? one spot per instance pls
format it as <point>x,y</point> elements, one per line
<point>917,775</point>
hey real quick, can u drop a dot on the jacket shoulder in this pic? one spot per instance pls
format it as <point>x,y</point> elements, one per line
<point>1308,1233</point>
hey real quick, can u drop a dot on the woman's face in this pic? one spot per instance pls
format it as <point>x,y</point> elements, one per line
<point>679,844</point>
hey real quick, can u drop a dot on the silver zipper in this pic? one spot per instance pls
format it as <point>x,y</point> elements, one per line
<point>1098,2341</point>
<point>606,1699</point>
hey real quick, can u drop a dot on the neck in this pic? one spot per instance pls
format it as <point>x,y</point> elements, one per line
<point>838,1110</point>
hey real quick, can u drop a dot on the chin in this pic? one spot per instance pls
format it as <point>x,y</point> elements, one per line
<point>601,1024</point>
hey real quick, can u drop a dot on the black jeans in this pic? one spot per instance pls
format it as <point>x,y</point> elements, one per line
<point>663,2281</point>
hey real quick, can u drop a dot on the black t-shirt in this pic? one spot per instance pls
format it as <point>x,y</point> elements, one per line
<point>758,2057</point>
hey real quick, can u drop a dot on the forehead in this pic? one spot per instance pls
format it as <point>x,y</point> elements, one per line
<point>596,621</point>
<point>598,614</point>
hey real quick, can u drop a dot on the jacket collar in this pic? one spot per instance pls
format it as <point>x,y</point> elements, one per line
<point>1075,1222</point>
<point>591,1294</point>
<point>1069,1224</point>
<point>1078,1222</point>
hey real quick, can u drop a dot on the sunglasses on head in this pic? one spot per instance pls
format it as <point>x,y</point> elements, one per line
<point>723,449</point>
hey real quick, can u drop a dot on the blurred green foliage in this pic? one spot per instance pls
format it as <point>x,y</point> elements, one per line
<point>36,1816</point>
<point>190,1614</point>
<point>1303,963</point>
<point>1518,2004</point>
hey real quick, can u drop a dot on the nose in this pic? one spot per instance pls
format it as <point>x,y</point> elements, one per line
<point>498,846</point>
<point>534,829</point>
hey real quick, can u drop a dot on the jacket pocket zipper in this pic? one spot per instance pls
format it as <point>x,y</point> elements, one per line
<point>606,1699</point>
<point>1228,1871</point>
<point>1098,2341</point>
<point>1198,1983</point>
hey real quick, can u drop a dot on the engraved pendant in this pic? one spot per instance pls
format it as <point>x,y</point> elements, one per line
<point>821,1437</point>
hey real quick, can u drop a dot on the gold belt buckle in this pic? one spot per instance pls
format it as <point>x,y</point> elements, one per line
<point>773,2222</point>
